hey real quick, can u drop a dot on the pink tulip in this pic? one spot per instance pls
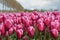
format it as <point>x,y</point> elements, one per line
<point>22,13</point>
<point>2,28</point>
<point>35,12</point>
<point>27,22</point>
<point>19,33</point>
<point>19,26</point>
<point>56,13</point>
<point>31,31</point>
<point>41,26</point>
<point>23,19</point>
<point>14,28</point>
<point>40,20</point>
<point>10,31</point>
<point>33,16</point>
<point>1,18</point>
<point>47,20</point>
<point>54,33</point>
<point>55,24</point>
<point>58,17</point>
<point>8,23</point>
<point>15,19</point>
<point>19,20</point>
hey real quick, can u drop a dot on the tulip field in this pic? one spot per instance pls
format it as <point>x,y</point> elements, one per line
<point>30,25</point>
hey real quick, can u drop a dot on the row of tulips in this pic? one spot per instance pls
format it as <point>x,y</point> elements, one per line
<point>29,25</point>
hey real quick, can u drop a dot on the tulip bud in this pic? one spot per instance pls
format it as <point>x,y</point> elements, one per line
<point>40,20</point>
<point>14,28</point>
<point>10,31</point>
<point>19,33</point>
<point>58,17</point>
<point>19,20</point>
<point>52,17</point>
<point>33,16</point>
<point>19,26</point>
<point>47,21</point>
<point>35,12</point>
<point>15,19</point>
<point>40,26</point>
<point>23,19</point>
<point>55,24</point>
<point>27,23</point>
<point>22,13</point>
<point>56,13</point>
<point>1,18</point>
<point>2,28</point>
<point>8,23</point>
<point>54,33</point>
<point>31,31</point>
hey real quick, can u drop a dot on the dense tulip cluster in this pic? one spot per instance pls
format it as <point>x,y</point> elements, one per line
<point>26,23</point>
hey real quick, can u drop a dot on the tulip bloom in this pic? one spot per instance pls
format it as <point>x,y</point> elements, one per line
<point>41,26</point>
<point>54,33</point>
<point>31,31</point>
<point>19,33</point>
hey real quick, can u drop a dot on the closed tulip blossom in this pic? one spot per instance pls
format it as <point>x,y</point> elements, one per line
<point>41,26</point>
<point>10,31</point>
<point>19,33</point>
<point>8,23</point>
<point>2,28</point>
<point>31,31</point>
<point>55,24</point>
<point>54,33</point>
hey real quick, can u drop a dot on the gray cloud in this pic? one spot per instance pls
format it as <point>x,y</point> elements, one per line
<point>38,4</point>
<point>34,4</point>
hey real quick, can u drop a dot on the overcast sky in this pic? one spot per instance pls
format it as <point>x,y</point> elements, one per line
<point>39,4</point>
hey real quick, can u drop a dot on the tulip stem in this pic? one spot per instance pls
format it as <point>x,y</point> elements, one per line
<point>49,34</point>
<point>18,39</point>
<point>54,39</point>
<point>7,38</point>
<point>45,35</point>
<point>40,36</point>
